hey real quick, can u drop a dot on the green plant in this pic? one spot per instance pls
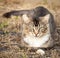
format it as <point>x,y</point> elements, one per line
<point>3,24</point>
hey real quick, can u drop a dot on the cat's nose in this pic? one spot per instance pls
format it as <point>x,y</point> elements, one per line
<point>35,32</point>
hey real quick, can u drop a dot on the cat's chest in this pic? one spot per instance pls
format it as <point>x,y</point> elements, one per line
<point>36,41</point>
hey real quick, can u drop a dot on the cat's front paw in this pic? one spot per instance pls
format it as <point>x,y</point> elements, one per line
<point>40,51</point>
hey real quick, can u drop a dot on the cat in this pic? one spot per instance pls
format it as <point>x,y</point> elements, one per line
<point>38,27</point>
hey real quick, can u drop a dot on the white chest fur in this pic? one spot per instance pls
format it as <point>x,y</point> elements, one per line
<point>36,41</point>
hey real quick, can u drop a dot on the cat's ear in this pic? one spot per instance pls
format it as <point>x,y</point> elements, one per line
<point>25,18</point>
<point>46,18</point>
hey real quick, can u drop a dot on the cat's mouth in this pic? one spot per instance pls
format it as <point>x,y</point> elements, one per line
<point>33,41</point>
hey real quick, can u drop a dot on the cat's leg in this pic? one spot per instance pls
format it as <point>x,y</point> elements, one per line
<point>40,51</point>
<point>48,44</point>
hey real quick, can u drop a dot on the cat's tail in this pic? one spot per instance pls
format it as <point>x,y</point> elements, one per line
<point>7,15</point>
<point>14,13</point>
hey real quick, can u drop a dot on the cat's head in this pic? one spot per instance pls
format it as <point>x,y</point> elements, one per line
<point>36,26</point>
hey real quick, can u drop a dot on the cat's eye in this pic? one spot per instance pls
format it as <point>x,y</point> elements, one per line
<point>43,29</point>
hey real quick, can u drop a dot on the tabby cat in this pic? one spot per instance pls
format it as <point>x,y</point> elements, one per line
<point>38,27</point>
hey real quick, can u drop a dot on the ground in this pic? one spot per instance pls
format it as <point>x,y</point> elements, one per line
<point>10,34</point>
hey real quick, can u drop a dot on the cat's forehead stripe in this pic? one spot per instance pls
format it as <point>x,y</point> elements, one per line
<point>36,21</point>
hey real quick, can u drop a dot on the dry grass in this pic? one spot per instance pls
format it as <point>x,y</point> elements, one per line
<point>10,33</point>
